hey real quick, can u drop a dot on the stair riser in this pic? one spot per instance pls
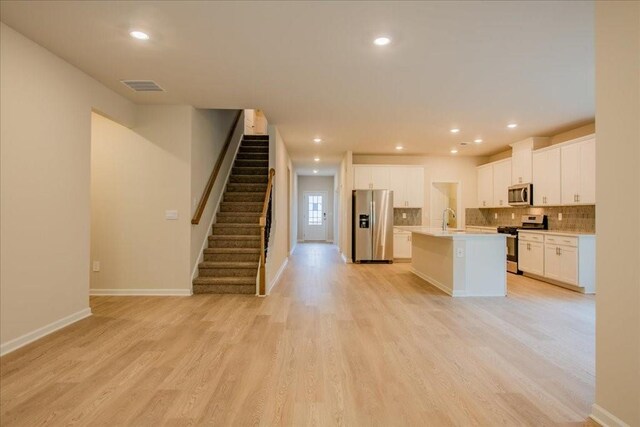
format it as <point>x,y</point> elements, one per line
<point>232,257</point>
<point>248,197</point>
<point>255,136</point>
<point>248,179</point>
<point>224,289</point>
<point>262,144</point>
<point>238,220</point>
<point>220,230</point>
<point>250,171</point>
<point>237,207</point>
<point>261,150</point>
<point>228,272</point>
<point>251,163</point>
<point>253,156</point>
<point>229,243</point>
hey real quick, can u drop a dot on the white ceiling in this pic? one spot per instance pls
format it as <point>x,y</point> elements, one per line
<point>312,67</point>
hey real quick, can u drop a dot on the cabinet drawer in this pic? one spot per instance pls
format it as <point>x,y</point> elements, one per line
<point>561,240</point>
<point>530,237</point>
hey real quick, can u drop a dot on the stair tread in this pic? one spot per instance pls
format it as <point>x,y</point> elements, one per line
<point>245,193</point>
<point>224,281</point>
<point>236,225</point>
<point>244,203</point>
<point>232,250</point>
<point>234,237</point>
<point>253,214</point>
<point>228,264</point>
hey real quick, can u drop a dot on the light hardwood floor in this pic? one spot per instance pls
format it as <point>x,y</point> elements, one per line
<point>335,344</point>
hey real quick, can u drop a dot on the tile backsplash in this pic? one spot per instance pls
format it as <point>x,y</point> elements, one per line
<point>574,218</point>
<point>414,216</point>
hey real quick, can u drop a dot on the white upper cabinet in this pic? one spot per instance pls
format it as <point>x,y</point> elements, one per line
<point>406,182</point>
<point>415,187</point>
<point>380,177</point>
<point>485,186</point>
<point>362,178</point>
<point>521,159</point>
<point>546,177</point>
<point>370,177</point>
<point>501,183</point>
<point>579,172</point>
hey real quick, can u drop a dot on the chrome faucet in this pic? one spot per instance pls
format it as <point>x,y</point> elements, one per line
<point>444,217</point>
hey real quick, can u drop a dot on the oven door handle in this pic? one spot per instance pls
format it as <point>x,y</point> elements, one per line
<point>522,193</point>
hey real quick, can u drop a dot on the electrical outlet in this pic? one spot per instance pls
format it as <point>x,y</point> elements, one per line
<point>404,215</point>
<point>513,216</point>
<point>96,266</point>
<point>559,216</point>
<point>495,215</point>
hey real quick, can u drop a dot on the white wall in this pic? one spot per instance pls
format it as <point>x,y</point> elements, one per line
<point>136,175</point>
<point>437,169</point>
<point>278,246</point>
<point>618,176</point>
<point>209,129</point>
<point>45,140</point>
<point>316,183</point>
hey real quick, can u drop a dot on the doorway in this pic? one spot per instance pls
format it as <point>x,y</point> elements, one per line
<point>445,195</point>
<point>315,216</point>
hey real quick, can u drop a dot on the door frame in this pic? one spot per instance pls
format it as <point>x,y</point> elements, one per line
<point>325,197</point>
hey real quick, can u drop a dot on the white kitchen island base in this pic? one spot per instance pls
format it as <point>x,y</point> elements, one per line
<point>461,264</point>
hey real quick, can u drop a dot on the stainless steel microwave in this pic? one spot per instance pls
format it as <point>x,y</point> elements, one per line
<point>521,195</point>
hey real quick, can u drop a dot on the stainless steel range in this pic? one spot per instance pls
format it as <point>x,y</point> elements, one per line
<point>529,222</point>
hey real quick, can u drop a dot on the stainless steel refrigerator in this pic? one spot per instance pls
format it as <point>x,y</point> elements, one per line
<point>372,236</point>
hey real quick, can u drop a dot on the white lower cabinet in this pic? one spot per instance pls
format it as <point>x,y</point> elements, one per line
<point>401,245</point>
<point>531,257</point>
<point>568,259</point>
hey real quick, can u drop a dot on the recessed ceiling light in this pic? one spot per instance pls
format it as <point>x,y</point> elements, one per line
<point>477,141</point>
<point>382,41</point>
<point>454,151</point>
<point>315,171</point>
<point>316,159</point>
<point>317,140</point>
<point>139,35</point>
<point>512,125</point>
<point>455,130</point>
<point>399,147</point>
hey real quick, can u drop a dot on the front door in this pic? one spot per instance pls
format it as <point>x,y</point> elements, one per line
<point>315,216</point>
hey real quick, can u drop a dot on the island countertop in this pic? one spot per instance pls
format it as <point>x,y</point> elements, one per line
<point>452,233</point>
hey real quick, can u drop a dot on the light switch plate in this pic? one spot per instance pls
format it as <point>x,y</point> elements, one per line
<point>171,215</point>
<point>459,252</point>
<point>404,215</point>
<point>559,216</point>
<point>495,215</point>
<point>96,266</point>
<point>513,216</point>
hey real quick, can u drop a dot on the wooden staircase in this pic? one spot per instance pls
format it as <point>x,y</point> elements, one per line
<point>230,263</point>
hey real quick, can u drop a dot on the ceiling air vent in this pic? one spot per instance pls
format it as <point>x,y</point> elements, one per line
<point>142,85</point>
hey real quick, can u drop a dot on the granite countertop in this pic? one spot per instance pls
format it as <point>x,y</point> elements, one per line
<point>452,233</point>
<point>560,233</point>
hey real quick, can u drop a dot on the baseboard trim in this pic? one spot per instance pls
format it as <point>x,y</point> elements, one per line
<point>276,279</point>
<point>141,292</point>
<point>30,337</point>
<point>344,258</point>
<point>605,418</point>
<point>437,284</point>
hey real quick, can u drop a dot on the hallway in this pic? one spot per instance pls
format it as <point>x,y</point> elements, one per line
<point>334,344</point>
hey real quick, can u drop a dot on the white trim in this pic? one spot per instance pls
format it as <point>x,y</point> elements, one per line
<point>214,217</point>
<point>437,284</point>
<point>605,418</point>
<point>293,249</point>
<point>278,276</point>
<point>344,258</point>
<point>32,336</point>
<point>141,292</point>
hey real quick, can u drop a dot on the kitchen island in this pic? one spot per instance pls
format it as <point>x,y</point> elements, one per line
<point>461,263</point>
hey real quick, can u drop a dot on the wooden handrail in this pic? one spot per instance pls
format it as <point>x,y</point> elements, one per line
<point>263,223</point>
<point>214,173</point>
